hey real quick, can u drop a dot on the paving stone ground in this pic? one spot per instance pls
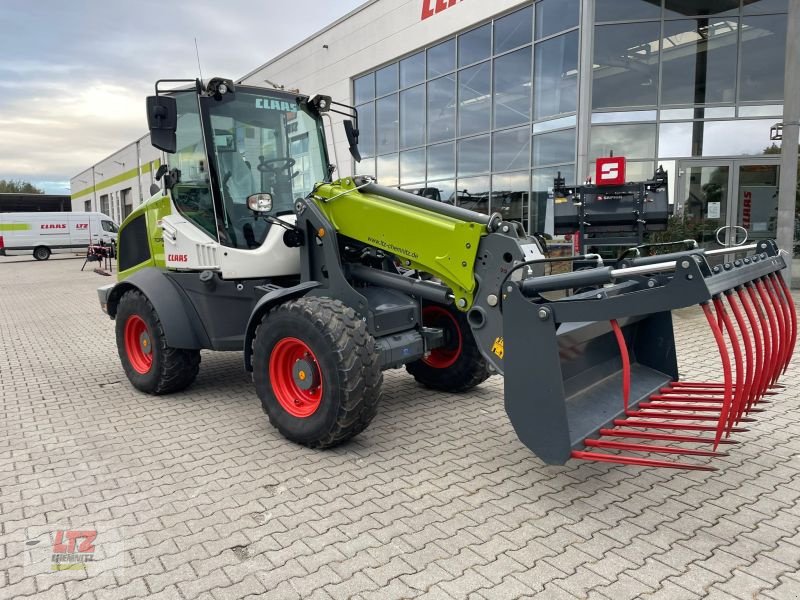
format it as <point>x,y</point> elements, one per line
<point>195,496</point>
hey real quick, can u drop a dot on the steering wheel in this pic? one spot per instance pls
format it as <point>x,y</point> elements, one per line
<point>266,165</point>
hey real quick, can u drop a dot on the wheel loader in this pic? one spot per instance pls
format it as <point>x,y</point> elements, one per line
<point>250,244</point>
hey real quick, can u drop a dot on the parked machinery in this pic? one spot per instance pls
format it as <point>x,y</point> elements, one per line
<point>612,211</point>
<point>323,283</point>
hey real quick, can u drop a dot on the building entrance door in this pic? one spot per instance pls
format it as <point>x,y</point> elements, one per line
<point>724,203</point>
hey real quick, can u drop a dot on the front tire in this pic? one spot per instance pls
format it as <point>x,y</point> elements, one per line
<point>458,365</point>
<point>41,253</point>
<point>151,365</point>
<point>316,371</point>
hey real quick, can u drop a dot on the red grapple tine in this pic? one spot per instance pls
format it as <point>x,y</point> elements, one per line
<point>651,414</point>
<point>686,399</point>
<point>771,366</point>
<point>783,330</point>
<point>738,396</point>
<point>748,370</point>
<point>668,425</point>
<point>662,437</point>
<point>679,406</point>
<point>639,462</point>
<point>726,368</point>
<point>756,329</point>
<point>696,384</point>
<point>787,294</point>
<point>787,319</point>
<point>591,443</point>
<point>763,384</point>
<point>626,363</point>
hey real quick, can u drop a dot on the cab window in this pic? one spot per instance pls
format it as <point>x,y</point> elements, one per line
<point>262,144</point>
<point>192,192</point>
<point>108,226</point>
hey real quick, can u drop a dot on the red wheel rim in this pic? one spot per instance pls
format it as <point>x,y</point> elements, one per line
<point>296,377</point>
<point>138,344</point>
<point>446,356</point>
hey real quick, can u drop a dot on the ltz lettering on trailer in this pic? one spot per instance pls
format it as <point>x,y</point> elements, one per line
<point>434,7</point>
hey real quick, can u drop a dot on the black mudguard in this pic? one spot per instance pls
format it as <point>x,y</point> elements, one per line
<point>182,325</point>
<point>264,305</point>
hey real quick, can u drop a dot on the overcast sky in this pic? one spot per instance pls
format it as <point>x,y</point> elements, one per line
<point>74,74</point>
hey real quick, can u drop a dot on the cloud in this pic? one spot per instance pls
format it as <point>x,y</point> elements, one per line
<point>74,75</point>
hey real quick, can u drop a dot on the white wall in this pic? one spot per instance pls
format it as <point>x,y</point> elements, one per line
<point>130,168</point>
<point>379,32</point>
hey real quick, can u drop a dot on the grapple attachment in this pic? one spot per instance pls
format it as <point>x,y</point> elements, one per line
<point>594,376</point>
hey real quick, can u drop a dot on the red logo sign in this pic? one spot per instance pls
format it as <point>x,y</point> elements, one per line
<point>434,7</point>
<point>178,258</point>
<point>747,209</point>
<point>54,226</point>
<point>82,226</point>
<point>611,171</point>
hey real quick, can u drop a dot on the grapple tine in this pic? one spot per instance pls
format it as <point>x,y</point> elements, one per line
<point>748,369</point>
<point>662,437</point>
<point>752,291</point>
<point>733,408</point>
<point>611,445</point>
<point>679,406</point>
<point>637,461</point>
<point>645,424</point>
<point>754,395</point>
<point>787,294</point>
<point>686,399</point>
<point>783,331</point>
<point>726,369</point>
<point>651,414</point>
<point>771,368</point>
<point>626,363</point>
<point>780,299</point>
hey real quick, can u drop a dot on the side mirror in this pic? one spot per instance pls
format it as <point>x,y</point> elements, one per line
<point>352,139</point>
<point>260,203</point>
<point>162,119</point>
<point>154,189</point>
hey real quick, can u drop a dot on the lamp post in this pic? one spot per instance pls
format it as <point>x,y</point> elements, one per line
<point>83,181</point>
<point>117,201</point>
<point>94,186</point>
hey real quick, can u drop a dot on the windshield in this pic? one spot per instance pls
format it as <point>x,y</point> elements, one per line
<point>262,144</point>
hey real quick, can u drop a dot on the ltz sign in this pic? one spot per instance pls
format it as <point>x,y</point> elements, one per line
<point>434,7</point>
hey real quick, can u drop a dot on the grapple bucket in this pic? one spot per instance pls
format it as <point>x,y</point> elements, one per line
<point>594,376</point>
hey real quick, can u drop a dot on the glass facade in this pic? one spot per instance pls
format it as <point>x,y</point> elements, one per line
<point>477,120</point>
<point>487,118</point>
<point>679,79</point>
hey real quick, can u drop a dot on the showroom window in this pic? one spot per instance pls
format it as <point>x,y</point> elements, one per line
<point>475,119</point>
<point>674,79</point>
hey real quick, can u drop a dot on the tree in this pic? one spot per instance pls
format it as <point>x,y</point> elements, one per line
<point>18,187</point>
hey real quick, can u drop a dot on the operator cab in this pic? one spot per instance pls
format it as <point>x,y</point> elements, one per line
<point>233,144</point>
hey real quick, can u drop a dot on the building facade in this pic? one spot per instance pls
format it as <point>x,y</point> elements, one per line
<point>118,183</point>
<point>482,104</point>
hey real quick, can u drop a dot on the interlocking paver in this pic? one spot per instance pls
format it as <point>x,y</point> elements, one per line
<point>437,497</point>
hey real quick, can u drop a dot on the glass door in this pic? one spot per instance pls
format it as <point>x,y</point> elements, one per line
<point>757,199</point>
<point>703,200</point>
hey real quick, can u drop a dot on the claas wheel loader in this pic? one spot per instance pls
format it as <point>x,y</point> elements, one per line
<point>250,244</point>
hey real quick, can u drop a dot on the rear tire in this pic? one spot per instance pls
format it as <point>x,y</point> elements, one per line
<point>151,365</point>
<point>41,253</point>
<point>316,371</point>
<point>458,365</point>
